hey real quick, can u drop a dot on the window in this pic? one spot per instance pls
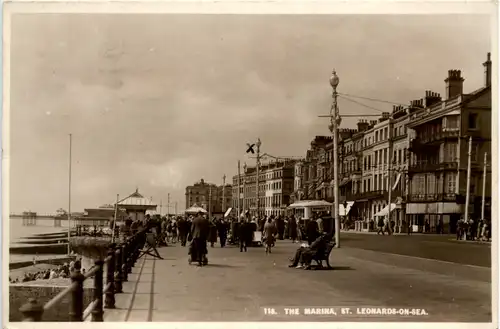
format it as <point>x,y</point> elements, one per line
<point>375,182</point>
<point>404,154</point>
<point>450,122</point>
<point>472,187</point>
<point>473,118</point>
<point>450,152</point>
<point>385,133</point>
<point>475,151</point>
<point>376,136</point>
<point>376,157</point>
<point>395,156</point>
<point>400,159</point>
<point>395,132</point>
<point>385,156</point>
<point>450,182</point>
<point>431,184</point>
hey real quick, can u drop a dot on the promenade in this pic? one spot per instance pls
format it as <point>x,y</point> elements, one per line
<point>237,286</point>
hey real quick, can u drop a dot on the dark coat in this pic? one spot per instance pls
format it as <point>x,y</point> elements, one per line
<point>200,228</point>
<point>292,228</point>
<point>312,230</point>
<point>212,235</point>
<point>222,228</point>
<point>246,231</point>
<point>183,224</point>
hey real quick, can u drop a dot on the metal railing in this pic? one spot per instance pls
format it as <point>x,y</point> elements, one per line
<point>120,261</point>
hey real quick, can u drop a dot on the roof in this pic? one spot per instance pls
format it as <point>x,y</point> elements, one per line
<point>137,199</point>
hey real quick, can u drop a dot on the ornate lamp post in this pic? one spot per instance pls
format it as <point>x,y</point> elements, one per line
<point>244,188</point>
<point>258,144</point>
<point>334,123</point>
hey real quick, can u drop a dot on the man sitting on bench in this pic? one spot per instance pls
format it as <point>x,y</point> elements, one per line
<point>305,255</point>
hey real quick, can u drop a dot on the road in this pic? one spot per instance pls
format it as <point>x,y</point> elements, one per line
<point>439,247</point>
<point>238,286</point>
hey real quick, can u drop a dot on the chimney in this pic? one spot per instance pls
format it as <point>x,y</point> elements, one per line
<point>487,71</point>
<point>431,98</point>
<point>385,116</point>
<point>454,83</point>
<point>362,125</point>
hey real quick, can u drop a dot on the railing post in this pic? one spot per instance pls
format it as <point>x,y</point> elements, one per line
<point>32,311</point>
<point>109,302</point>
<point>76,310</point>
<point>97,313</point>
<point>129,255</point>
<point>118,270</point>
<point>124,252</point>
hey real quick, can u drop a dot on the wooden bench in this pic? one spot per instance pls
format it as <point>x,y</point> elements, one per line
<point>325,256</point>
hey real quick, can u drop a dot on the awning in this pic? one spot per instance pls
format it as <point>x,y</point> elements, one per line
<point>398,178</point>
<point>345,211</point>
<point>310,203</point>
<point>345,181</point>
<point>385,211</point>
<point>195,210</point>
<point>228,212</point>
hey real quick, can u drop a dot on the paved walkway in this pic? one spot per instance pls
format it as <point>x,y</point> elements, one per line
<point>238,286</point>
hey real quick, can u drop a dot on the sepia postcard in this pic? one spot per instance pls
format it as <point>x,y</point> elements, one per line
<point>250,164</point>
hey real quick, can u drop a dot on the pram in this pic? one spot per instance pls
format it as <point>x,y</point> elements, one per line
<point>192,254</point>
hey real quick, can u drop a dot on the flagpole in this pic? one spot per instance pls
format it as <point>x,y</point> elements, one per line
<point>69,195</point>
<point>239,184</point>
<point>114,222</point>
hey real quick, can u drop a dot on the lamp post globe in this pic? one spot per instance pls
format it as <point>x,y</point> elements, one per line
<point>334,80</point>
<point>330,126</point>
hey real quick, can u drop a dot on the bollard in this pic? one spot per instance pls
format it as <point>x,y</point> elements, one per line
<point>118,270</point>
<point>98,312</point>
<point>32,311</point>
<point>76,308</point>
<point>109,301</point>
<point>124,261</point>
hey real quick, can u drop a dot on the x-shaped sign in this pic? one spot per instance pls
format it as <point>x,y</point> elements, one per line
<point>250,148</point>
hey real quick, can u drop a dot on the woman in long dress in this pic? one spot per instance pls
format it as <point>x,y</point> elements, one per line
<point>269,232</point>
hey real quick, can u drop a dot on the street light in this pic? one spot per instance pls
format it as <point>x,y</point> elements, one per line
<point>258,144</point>
<point>334,123</point>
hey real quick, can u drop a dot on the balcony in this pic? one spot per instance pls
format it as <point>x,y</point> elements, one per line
<point>370,195</point>
<point>424,166</point>
<point>438,136</point>
<point>442,197</point>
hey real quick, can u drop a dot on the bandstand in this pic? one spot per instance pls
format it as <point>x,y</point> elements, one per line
<point>136,205</point>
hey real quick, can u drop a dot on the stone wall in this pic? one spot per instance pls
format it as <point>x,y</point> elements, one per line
<point>44,291</point>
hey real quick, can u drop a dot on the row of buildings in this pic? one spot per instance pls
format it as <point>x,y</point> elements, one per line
<point>418,152</point>
<point>200,193</point>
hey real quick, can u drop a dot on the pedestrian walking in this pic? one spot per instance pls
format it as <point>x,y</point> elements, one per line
<point>200,230</point>
<point>212,237</point>
<point>380,225</point>
<point>292,225</point>
<point>222,229</point>
<point>244,234</point>
<point>269,231</point>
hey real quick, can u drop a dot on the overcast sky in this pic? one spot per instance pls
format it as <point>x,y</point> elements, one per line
<point>161,101</point>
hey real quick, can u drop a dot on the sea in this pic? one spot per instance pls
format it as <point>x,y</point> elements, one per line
<point>18,231</point>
